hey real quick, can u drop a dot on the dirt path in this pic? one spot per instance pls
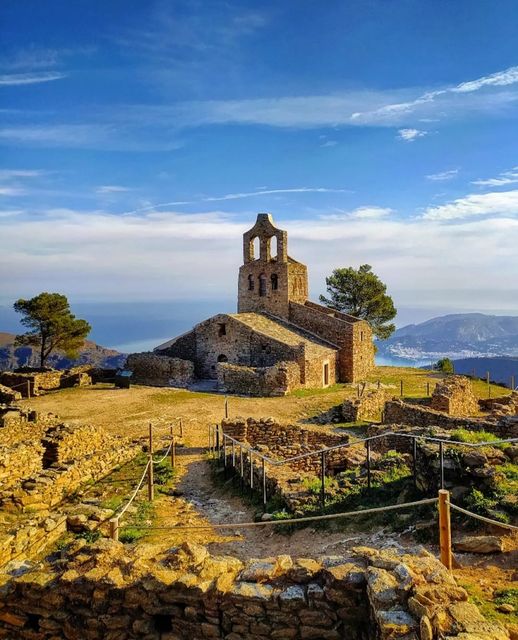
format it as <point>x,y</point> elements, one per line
<point>200,501</point>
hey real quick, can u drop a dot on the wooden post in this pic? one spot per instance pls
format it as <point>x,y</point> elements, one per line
<point>427,388</point>
<point>414,460</point>
<point>445,528</point>
<point>218,448</point>
<point>181,428</point>
<point>28,389</point>
<point>226,407</point>
<point>114,528</point>
<point>441,462</point>
<point>401,385</point>
<point>323,480</point>
<point>368,464</point>
<point>264,484</point>
<point>150,491</point>
<point>173,452</point>
<point>379,384</point>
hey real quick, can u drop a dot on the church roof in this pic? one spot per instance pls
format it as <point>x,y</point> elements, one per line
<point>282,331</point>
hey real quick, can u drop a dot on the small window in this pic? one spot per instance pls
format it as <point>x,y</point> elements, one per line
<point>251,283</point>
<point>222,358</point>
<point>262,284</point>
<point>222,329</point>
<point>326,374</point>
<point>275,282</point>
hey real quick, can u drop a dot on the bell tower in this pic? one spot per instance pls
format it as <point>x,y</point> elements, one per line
<point>269,278</point>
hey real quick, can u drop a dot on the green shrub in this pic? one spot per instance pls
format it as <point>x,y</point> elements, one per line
<point>130,534</point>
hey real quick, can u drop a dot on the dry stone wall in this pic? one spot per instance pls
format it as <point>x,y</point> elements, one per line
<point>149,368</point>
<point>369,405</point>
<point>404,413</point>
<point>454,396</point>
<point>34,383</point>
<point>276,380</point>
<point>104,593</point>
<point>18,542</point>
<point>502,406</point>
<point>45,461</point>
<point>8,395</point>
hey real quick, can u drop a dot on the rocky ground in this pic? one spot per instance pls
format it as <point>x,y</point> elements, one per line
<point>193,498</point>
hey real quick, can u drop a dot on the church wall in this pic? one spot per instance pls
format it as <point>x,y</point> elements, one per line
<point>239,344</point>
<point>314,370</point>
<point>356,353</point>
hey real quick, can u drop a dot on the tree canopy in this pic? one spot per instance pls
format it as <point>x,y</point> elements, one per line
<point>360,293</point>
<point>445,365</point>
<point>51,325</point>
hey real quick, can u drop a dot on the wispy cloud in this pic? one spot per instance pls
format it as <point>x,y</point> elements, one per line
<point>496,203</point>
<point>8,174</point>
<point>110,188</point>
<point>409,135</point>
<point>499,79</point>
<point>360,213</point>
<point>505,178</point>
<point>11,191</point>
<point>237,196</point>
<point>329,143</point>
<point>16,79</point>
<point>443,175</point>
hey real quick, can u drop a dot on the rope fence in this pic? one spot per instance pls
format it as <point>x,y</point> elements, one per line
<point>496,523</point>
<point>329,516</point>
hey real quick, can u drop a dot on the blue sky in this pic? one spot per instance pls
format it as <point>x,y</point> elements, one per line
<point>139,140</point>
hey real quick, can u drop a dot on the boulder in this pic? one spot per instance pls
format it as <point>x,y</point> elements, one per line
<point>479,544</point>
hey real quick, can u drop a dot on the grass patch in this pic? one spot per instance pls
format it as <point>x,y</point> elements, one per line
<point>131,534</point>
<point>306,393</point>
<point>112,503</point>
<point>473,437</point>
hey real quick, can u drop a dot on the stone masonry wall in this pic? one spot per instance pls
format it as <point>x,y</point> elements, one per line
<point>352,336</point>
<point>152,369</point>
<point>104,593</point>
<point>454,396</point>
<point>277,380</point>
<point>399,412</point>
<point>8,395</point>
<point>285,441</point>
<point>34,383</point>
<point>369,405</point>
<point>44,463</point>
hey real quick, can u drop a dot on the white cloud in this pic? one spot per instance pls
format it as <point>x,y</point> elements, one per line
<point>111,188</point>
<point>329,143</point>
<point>505,178</point>
<point>497,203</point>
<point>409,135</point>
<point>443,175</point>
<point>171,255</point>
<point>17,79</point>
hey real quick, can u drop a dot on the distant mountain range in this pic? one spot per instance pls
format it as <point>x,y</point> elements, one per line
<point>456,336</point>
<point>91,353</point>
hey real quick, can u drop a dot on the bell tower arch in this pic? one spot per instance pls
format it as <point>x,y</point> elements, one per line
<point>269,280</point>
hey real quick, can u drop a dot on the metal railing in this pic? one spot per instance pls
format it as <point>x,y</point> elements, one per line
<point>220,442</point>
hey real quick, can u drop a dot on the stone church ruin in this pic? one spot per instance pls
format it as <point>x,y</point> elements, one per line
<point>277,341</point>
